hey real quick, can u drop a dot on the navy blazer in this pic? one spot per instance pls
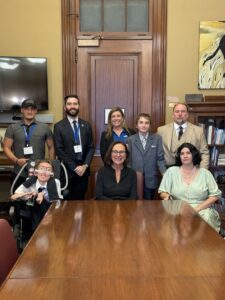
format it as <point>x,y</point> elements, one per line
<point>147,161</point>
<point>64,143</point>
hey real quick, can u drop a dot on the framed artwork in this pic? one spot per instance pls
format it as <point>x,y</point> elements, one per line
<point>2,134</point>
<point>212,55</point>
<point>107,110</point>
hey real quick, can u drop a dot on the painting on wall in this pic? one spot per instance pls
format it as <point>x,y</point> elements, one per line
<point>212,55</point>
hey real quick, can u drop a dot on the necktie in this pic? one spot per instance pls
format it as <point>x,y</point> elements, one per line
<point>76,132</point>
<point>144,142</point>
<point>180,133</point>
<point>41,189</point>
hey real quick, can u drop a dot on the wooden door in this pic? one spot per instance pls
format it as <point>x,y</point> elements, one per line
<point>111,75</point>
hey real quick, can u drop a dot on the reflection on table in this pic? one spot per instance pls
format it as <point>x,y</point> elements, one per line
<point>120,250</point>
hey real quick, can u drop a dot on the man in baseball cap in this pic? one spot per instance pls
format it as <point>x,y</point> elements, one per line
<point>29,103</point>
<point>26,140</point>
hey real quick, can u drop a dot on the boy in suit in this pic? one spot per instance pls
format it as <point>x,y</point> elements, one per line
<point>146,154</point>
<point>38,191</point>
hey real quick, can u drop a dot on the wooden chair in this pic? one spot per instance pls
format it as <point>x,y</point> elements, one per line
<point>140,185</point>
<point>8,249</point>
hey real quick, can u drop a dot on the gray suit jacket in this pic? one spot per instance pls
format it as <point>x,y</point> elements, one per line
<point>147,161</point>
<point>193,134</point>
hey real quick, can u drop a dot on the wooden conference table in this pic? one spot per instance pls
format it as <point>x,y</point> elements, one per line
<point>120,250</point>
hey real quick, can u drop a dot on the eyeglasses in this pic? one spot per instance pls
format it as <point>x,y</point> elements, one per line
<point>46,171</point>
<point>118,152</point>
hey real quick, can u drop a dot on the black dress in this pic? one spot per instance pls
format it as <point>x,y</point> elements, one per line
<point>108,188</point>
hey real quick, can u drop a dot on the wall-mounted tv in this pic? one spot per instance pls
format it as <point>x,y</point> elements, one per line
<point>22,78</point>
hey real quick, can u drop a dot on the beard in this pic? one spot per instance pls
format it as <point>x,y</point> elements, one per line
<point>72,112</point>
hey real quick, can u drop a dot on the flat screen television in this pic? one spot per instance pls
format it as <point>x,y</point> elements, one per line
<point>23,78</point>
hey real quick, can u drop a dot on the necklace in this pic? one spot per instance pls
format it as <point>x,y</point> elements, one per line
<point>188,175</point>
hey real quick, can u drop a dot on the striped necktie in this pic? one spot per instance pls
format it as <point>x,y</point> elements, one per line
<point>144,141</point>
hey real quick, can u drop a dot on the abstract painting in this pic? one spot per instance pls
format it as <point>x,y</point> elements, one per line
<point>212,55</point>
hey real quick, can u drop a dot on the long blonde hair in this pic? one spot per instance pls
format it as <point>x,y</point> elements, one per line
<point>109,128</point>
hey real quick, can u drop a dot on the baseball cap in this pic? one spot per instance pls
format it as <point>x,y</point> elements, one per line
<point>28,102</point>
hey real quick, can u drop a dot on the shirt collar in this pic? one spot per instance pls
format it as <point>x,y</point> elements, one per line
<point>177,126</point>
<point>24,124</point>
<point>40,185</point>
<point>71,120</point>
<point>143,136</point>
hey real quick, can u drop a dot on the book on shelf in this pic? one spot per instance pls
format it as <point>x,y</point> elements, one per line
<point>221,159</point>
<point>210,135</point>
<point>215,136</point>
<point>214,154</point>
<point>219,136</point>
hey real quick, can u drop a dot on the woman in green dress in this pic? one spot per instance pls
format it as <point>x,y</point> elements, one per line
<point>197,186</point>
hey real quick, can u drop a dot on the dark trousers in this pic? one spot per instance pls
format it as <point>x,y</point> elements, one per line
<point>77,187</point>
<point>38,211</point>
<point>149,194</point>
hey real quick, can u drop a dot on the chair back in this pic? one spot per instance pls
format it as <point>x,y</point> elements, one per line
<point>8,249</point>
<point>140,185</point>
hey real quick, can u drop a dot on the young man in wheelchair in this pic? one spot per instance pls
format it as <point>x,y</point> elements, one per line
<point>38,191</point>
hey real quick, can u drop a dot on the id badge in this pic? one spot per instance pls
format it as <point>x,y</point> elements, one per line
<point>28,150</point>
<point>77,149</point>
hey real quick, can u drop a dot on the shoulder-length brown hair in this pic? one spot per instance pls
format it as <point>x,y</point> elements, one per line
<point>109,128</point>
<point>108,159</point>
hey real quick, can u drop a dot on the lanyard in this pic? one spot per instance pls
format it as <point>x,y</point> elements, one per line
<point>28,131</point>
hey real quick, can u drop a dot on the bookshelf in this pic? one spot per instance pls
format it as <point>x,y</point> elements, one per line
<point>211,116</point>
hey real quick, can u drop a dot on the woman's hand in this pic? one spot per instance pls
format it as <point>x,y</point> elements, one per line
<point>165,196</point>
<point>206,203</point>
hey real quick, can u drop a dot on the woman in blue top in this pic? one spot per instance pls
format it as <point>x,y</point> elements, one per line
<point>195,185</point>
<point>116,130</point>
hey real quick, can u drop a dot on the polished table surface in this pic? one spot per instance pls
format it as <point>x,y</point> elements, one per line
<point>120,250</point>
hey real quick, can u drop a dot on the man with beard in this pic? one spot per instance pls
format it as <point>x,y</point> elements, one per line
<point>74,146</point>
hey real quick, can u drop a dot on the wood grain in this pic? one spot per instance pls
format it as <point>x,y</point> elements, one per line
<point>120,250</point>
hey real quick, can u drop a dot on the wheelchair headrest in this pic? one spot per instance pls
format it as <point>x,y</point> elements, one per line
<point>56,165</point>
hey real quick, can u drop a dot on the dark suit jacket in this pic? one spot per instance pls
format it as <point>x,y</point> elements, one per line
<point>105,142</point>
<point>147,161</point>
<point>64,144</point>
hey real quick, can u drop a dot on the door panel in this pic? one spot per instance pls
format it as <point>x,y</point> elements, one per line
<point>118,73</point>
<point>113,83</point>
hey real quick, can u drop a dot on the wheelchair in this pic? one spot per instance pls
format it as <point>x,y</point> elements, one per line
<point>21,211</point>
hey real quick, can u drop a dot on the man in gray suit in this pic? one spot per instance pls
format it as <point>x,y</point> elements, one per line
<point>181,131</point>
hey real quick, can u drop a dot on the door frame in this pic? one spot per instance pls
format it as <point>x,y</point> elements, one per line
<point>69,44</point>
